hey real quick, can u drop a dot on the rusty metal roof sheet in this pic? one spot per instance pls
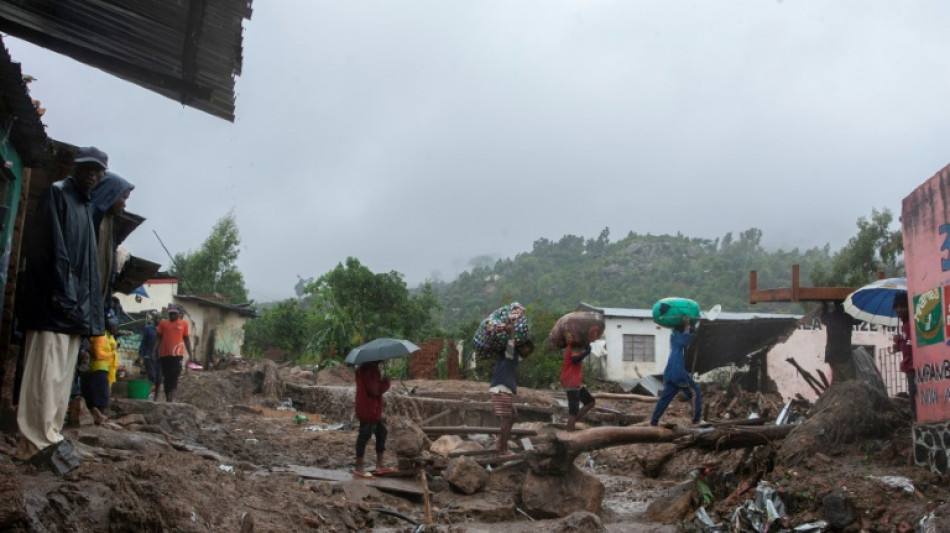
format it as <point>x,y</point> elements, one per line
<point>187,50</point>
<point>26,129</point>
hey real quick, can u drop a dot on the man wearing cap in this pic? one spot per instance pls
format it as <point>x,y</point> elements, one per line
<point>59,300</point>
<point>173,341</point>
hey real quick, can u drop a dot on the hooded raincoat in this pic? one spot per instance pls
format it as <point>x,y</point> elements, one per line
<point>109,189</point>
<point>59,289</point>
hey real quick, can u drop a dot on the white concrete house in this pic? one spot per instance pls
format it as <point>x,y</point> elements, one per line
<point>216,328</point>
<point>636,347</point>
<point>161,292</point>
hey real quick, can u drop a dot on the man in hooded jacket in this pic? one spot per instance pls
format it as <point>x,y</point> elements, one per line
<point>59,300</point>
<point>108,202</point>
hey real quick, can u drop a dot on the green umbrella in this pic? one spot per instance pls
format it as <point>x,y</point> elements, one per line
<point>380,350</point>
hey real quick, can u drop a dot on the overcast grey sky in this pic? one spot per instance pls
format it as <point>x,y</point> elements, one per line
<point>418,135</point>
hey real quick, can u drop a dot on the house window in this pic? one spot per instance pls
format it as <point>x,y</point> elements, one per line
<point>639,348</point>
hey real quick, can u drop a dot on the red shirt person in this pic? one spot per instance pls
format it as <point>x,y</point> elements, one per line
<point>572,379</point>
<point>370,387</point>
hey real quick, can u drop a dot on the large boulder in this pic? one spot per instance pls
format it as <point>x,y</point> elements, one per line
<point>557,496</point>
<point>406,439</point>
<point>465,475</point>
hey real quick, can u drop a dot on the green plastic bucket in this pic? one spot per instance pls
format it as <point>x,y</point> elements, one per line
<point>139,389</point>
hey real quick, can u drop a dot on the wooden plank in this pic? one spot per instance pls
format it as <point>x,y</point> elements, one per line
<point>310,472</point>
<point>770,295</point>
<point>399,486</point>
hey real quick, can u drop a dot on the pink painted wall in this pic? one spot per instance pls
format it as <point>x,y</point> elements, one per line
<point>807,346</point>
<point>925,216</point>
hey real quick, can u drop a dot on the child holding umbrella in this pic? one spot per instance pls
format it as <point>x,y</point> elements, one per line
<point>370,387</point>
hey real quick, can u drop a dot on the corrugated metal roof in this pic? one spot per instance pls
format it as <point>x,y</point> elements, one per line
<point>242,310</point>
<point>187,50</point>
<point>648,313</point>
<point>26,129</point>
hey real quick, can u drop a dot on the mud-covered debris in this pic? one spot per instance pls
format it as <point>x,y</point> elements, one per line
<point>465,475</point>
<point>580,522</point>
<point>561,495</point>
<point>839,509</point>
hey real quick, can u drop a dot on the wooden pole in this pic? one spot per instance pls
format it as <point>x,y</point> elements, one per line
<point>425,496</point>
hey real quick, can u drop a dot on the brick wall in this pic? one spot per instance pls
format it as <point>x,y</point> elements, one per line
<point>275,354</point>
<point>424,363</point>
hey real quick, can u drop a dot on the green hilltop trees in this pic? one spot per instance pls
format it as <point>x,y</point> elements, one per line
<point>350,304</point>
<point>211,269</point>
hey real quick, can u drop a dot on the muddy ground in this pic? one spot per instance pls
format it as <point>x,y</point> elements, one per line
<point>228,457</point>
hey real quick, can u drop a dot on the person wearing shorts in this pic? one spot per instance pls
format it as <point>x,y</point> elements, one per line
<point>504,386</point>
<point>572,379</point>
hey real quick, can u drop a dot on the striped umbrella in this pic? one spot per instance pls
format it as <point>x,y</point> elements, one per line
<point>874,303</point>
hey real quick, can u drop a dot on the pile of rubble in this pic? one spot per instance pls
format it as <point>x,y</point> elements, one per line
<point>270,447</point>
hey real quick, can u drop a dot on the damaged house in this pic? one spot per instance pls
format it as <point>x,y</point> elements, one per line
<point>217,328</point>
<point>635,349</point>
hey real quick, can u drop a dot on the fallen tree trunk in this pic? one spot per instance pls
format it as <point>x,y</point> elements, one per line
<point>470,430</point>
<point>726,438</point>
<point>635,397</point>
<point>555,454</point>
<point>555,487</point>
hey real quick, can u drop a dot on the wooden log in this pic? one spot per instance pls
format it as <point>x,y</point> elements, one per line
<point>605,437</point>
<point>761,421</point>
<point>735,437</point>
<point>634,397</point>
<point>572,444</point>
<point>470,430</point>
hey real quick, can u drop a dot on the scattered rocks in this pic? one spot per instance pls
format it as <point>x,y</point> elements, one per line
<point>465,475</point>
<point>839,510</point>
<point>559,496</point>
<point>581,522</point>
<point>672,506</point>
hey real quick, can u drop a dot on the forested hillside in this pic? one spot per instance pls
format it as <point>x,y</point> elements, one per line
<point>632,272</point>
